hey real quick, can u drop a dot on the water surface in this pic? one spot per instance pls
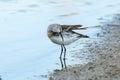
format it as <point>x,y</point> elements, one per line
<point>26,53</point>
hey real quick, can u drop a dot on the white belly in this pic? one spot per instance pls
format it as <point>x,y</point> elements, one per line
<point>68,38</point>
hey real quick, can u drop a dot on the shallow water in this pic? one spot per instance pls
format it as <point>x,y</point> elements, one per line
<point>26,53</point>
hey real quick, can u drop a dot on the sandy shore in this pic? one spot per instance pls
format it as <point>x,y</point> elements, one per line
<point>108,51</point>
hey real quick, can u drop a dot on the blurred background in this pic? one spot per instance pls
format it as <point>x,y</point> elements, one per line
<point>26,53</point>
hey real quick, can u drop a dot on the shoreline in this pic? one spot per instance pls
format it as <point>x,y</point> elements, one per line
<point>108,51</point>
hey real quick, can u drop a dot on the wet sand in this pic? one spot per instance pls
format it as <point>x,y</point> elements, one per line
<point>107,48</point>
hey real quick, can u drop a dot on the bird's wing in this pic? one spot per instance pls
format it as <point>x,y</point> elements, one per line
<point>70,27</point>
<point>80,35</point>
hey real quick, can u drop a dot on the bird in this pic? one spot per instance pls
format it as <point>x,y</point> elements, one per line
<point>64,35</point>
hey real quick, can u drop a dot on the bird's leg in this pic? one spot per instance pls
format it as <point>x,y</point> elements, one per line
<point>64,49</point>
<point>64,58</point>
<point>61,56</point>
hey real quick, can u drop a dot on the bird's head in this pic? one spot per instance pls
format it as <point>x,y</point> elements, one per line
<point>55,28</point>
